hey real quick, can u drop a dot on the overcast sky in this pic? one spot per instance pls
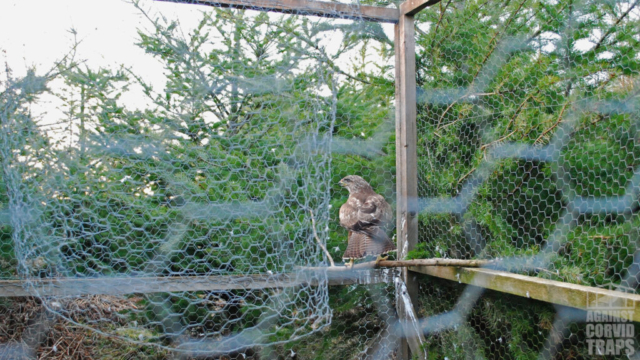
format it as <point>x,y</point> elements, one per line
<point>38,32</point>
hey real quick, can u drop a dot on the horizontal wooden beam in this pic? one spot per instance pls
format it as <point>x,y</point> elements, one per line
<point>412,7</point>
<point>143,285</point>
<point>363,273</point>
<point>306,7</point>
<point>556,292</point>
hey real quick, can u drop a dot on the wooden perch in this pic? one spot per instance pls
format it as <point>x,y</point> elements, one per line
<point>434,262</point>
<point>406,263</point>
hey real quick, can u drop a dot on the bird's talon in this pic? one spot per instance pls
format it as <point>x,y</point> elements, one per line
<point>381,258</point>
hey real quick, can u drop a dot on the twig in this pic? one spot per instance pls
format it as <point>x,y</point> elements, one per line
<point>614,26</point>
<point>315,234</point>
<point>493,39</point>
<point>554,125</point>
<point>515,115</point>
<point>524,178</point>
<point>547,271</point>
<point>442,12</point>
<point>78,345</point>
<point>601,237</point>
<point>497,141</point>
<point>466,175</point>
<point>455,102</point>
<point>44,355</point>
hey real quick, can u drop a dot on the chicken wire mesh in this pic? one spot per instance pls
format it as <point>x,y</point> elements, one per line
<point>528,154</point>
<point>192,216</point>
<point>494,325</point>
<point>360,329</point>
<point>527,145</point>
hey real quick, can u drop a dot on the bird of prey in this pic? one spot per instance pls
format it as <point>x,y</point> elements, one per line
<point>366,215</point>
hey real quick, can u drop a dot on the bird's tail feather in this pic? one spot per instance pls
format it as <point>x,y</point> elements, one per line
<point>371,243</point>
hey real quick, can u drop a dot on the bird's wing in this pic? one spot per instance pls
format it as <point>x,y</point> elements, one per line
<point>366,213</point>
<point>375,211</point>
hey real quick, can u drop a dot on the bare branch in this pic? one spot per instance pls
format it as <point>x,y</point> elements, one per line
<point>315,234</point>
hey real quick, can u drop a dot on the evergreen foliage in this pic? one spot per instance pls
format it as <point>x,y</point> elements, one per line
<point>489,72</point>
<point>493,72</point>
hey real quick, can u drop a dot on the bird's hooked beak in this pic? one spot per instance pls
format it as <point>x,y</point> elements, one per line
<point>342,183</point>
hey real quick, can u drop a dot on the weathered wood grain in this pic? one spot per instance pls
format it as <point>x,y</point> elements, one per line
<point>133,285</point>
<point>551,291</point>
<point>406,169</point>
<point>412,7</point>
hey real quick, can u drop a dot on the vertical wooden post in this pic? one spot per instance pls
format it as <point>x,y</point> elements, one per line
<point>406,155</point>
<point>406,159</point>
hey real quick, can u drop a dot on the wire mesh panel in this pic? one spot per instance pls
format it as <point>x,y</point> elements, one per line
<point>499,326</point>
<point>362,327</point>
<point>193,214</point>
<point>528,153</point>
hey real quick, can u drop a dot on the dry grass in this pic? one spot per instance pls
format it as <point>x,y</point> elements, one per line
<point>28,330</point>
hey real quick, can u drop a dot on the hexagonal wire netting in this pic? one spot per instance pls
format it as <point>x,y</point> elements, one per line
<point>191,215</point>
<point>527,153</point>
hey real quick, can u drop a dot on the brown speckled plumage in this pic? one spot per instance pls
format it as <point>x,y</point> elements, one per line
<point>366,215</point>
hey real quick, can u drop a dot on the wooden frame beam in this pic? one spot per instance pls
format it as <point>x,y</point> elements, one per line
<point>406,174</point>
<point>406,155</point>
<point>555,292</point>
<point>306,7</point>
<point>139,285</point>
<point>412,7</point>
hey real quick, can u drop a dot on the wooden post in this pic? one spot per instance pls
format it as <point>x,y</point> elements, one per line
<point>406,157</point>
<point>406,160</point>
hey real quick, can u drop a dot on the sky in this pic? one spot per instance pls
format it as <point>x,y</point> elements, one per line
<point>37,33</point>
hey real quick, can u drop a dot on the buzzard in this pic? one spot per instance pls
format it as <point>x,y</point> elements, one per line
<point>366,215</point>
